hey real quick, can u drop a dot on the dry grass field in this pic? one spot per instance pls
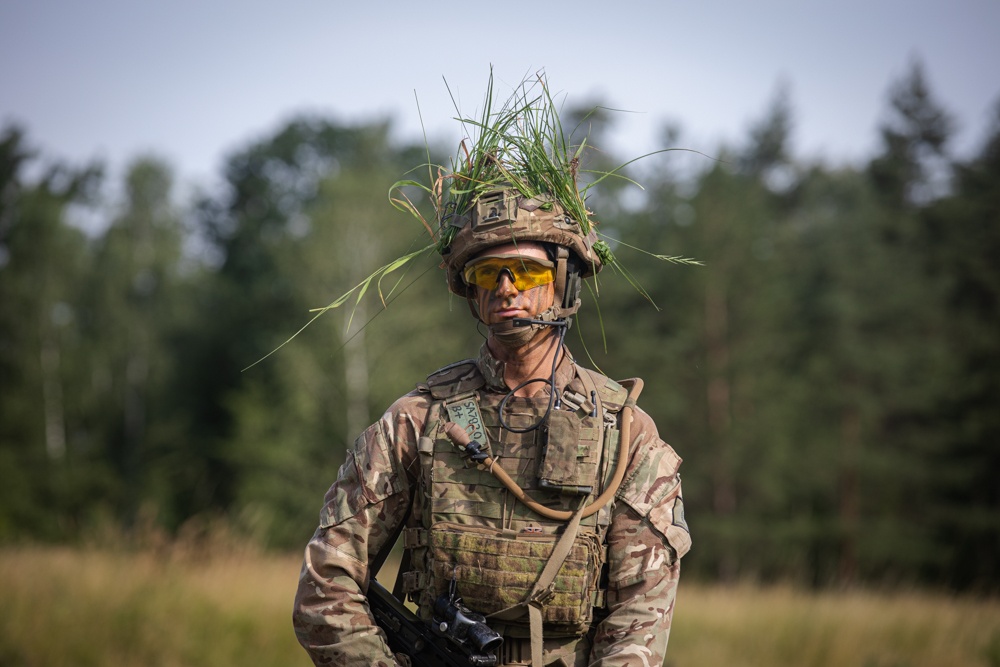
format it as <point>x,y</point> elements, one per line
<point>174,607</point>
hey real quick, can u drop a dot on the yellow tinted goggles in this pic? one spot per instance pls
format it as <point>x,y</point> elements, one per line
<point>525,272</point>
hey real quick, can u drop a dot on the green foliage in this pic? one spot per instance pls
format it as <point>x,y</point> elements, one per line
<point>914,138</point>
<point>42,351</point>
<point>520,143</point>
<point>961,235</point>
<point>288,418</point>
<point>134,303</point>
<point>830,376</point>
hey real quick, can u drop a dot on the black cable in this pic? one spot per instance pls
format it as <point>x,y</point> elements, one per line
<point>561,324</point>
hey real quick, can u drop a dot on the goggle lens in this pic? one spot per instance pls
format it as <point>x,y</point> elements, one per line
<point>526,272</point>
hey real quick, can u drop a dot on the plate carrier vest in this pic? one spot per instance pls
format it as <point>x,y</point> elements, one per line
<point>475,534</point>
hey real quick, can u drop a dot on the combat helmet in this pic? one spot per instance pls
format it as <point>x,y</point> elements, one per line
<point>505,215</point>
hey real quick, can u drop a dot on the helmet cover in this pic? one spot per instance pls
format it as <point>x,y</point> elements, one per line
<point>506,216</point>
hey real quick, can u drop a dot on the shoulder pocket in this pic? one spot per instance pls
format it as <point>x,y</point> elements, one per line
<point>668,520</point>
<point>653,490</point>
<point>652,479</point>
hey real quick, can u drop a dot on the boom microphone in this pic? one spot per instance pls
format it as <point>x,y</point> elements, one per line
<point>525,321</point>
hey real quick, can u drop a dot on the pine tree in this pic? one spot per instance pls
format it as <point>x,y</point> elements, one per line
<point>962,237</point>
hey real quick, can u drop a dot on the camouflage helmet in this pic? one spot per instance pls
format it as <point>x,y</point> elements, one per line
<point>506,216</point>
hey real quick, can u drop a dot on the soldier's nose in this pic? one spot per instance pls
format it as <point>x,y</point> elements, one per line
<point>505,283</point>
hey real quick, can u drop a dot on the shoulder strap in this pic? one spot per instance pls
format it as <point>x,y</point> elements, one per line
<point>458,378</point>
<point>610,393</point>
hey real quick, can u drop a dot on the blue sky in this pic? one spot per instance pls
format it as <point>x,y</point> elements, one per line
<point>193,81</point>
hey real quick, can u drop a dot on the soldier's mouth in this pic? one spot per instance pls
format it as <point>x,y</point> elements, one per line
<point>508,313</point>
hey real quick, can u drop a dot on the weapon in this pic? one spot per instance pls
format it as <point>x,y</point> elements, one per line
<point>458,637</point>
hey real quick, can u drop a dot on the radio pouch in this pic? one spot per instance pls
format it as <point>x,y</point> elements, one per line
<point>569,462</point>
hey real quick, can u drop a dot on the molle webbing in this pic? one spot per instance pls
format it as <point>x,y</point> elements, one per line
<point>496,570</point>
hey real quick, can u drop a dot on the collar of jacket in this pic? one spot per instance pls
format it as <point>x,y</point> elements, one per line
<point>493,370</point>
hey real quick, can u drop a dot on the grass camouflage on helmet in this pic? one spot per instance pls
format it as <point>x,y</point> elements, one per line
<point>516,177</point>
<point>506,215</point>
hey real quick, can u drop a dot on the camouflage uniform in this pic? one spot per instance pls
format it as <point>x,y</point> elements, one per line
<point>642,533</point>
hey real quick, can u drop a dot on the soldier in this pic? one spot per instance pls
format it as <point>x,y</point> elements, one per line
<point>565,527</point>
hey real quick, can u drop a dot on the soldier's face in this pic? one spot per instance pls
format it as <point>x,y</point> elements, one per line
<point>506,301</point>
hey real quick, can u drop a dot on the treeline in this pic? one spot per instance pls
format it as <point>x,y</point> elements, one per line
<point>831,375</point>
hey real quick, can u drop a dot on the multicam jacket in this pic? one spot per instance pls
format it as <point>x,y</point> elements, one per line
<point>398,468</point>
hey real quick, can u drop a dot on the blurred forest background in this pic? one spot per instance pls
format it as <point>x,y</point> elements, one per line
<point>831,376</point>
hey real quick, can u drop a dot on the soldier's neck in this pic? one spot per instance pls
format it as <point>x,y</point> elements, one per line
<point>529,361</point>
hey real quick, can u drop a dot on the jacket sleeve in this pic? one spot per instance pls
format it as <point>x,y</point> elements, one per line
<point>646,539</point>
<point>361,511</point>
